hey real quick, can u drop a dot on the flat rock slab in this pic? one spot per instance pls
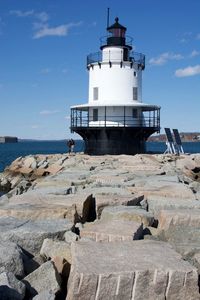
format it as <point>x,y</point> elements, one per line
<point>41,205</point>
<point>112,230</point>
<point>105,199</point>
<point>184,217</point>
<point>155,204</point>
<point>130,271</point>
<point>151,187</point>
<point>128,213</point>
<point>30,234</point>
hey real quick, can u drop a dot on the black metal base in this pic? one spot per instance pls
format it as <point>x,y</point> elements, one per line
<point>115,141</point>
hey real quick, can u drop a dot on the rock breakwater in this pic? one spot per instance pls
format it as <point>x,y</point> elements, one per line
<point>100,227</point>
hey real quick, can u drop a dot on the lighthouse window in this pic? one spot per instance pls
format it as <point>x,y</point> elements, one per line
<point>95,93</point>
<point>135,93</point>
<point>134,113</point>
<point>95,114</point>
<point>135,74</point>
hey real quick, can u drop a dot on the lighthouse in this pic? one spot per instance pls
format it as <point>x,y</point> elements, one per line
<point>115,120</point>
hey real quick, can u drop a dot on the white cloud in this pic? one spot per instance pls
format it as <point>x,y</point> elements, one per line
<point>198,36</point>
<point>194,53</point>
<point>45,71</point>
<point>22,14</point>
<point>49,112</point>
<point>164,58</point>
<point>42,16</point>
<point>61,30</point>
<point>189,71</point>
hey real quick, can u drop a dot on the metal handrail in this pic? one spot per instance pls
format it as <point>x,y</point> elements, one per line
<point>114,121</point>
<point>134,57</point>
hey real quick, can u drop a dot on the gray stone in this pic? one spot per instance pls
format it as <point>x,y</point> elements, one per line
<point>11,258</point>
<point>155,204</point>
<point>11,287</point>
<point>129,213</point>
<point>112,230</point>
<point>70,236</point>
<point>30,234</point>
<point>45,295</point>
<point>184,217</point>
<point>130,270</point>
<point>35,205</point>
<point>51,248</point>
<point>45,278</point>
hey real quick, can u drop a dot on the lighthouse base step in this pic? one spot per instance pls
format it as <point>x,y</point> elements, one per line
<point>115,141</point>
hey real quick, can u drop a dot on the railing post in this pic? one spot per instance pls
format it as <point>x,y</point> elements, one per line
<point>105,117</point>
<point>124,115</point>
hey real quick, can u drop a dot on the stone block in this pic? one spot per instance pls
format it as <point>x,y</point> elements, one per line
<point>156,203</point>
<point>175,217</point>
<point>30,234</point>
<point>130,271</point>
<point>129,213</point>
<point>45,278</point>
<point>51,248</point>
<point>112,230</point>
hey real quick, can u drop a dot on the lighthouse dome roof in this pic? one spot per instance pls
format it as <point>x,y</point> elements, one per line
<point>116,25</point>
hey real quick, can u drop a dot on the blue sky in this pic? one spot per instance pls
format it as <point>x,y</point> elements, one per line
<point>43,49</point>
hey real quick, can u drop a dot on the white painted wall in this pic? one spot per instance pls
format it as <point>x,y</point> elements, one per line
<point>115,84</point>
<point>115,116</point>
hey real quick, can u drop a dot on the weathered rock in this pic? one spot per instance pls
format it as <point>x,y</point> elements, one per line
<point>105,199</point>
<point>11,258</point>
<point>11,287</point>
<point>36,205</point>
<point>112,230</point>
<point>51,248</point>
<point>28,162</point>
<point>155,204</point>
<point>70,237</point>
<point>45,278</point>
<point>185,217</point>
<point>151,187</point>
<point>129,213</point>
<point>29,235</point>
<point>130,270</point>
<point>45,295</point>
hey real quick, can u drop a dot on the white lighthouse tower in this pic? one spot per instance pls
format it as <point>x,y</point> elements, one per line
<point>115,120</point>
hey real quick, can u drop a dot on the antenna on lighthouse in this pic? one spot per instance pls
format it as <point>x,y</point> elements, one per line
<point>108,16</point>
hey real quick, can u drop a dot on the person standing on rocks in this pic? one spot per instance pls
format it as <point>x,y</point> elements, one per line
<point>70,145</point>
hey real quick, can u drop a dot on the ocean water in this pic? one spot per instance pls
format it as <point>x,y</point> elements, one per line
<point>9,152</point>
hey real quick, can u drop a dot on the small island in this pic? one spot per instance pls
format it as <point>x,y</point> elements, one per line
<point>8,139</point>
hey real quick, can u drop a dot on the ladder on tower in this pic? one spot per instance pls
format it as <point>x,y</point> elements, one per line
<point>173,147</point>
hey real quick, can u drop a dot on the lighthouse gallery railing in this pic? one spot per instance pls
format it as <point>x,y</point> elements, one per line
<point>80,118</point>
<point>134,57</point>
